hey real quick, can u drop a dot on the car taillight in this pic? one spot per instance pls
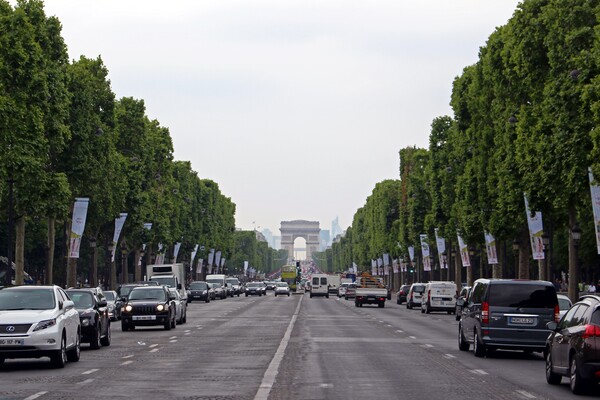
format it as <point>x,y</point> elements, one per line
<point>591,331</point>
<point>485,313</point>
<point>556,313</point>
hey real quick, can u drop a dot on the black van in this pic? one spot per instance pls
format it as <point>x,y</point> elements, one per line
<point>507,314</point>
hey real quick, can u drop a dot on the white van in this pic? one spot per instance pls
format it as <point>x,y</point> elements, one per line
<point>319,285</point>
<point>439,296</point>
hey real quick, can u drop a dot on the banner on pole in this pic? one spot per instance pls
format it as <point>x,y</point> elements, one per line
<point>78,225</point>
<point>490,247</point>
<point>440,242</point>
<point>536,230</point>
<point>464,251</point>
<point>176,251</point>
<point>595,191</point>
<point>119,222</point>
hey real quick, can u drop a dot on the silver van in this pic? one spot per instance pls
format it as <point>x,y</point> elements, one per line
<point>507,314</point>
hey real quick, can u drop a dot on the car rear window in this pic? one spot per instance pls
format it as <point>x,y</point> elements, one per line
<point>419,289</point>
<point>523,296</point>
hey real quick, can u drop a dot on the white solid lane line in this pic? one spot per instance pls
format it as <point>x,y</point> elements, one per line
<point>271,373</point>
<point>35,396</point>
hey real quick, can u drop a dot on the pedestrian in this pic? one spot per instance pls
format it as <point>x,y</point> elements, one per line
<point>557,285</point>
<point>592,288</point>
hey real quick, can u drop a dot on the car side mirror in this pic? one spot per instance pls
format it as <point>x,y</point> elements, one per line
<point>68,304</point>
<point>552,325</point>
<point>460,302</point>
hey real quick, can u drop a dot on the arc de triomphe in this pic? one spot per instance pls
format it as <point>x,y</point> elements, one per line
<point>291,230</point>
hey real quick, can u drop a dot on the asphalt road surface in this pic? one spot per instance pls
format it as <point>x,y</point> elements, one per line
<point>287,348</point>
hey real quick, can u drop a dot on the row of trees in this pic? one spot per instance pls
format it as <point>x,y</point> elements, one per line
<point>65,135</point>
<point>525,121</point>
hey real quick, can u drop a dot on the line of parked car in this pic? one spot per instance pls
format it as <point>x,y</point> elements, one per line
<point>525,315</point>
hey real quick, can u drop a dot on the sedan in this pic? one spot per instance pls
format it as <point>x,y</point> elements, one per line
<point>402,293</point>
<point>200,290</point>
<point>45,322</point>
<point>282,288</point>
<point>564,304</point>
<point>180,306</point>
<point>114,305</point>
<point>93,314</point>
<point>254,288</point>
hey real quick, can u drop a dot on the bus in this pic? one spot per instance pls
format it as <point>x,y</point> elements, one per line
<point>289,274</point>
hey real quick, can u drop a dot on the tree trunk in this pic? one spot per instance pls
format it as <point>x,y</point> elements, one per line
<point>573,258</point>
<point>457,270</point>
<point>524,253</point>
<point>137,261</point>
<point>50,251</point>
<point>72,272</point>
<point>94,266</point>
<point>125,268</point>
<point>19,250</point>
<point>542,270</point>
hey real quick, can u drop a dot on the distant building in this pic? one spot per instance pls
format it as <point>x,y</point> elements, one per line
<point>259,236</point>
<point>268,236</point>
<point>335,228</point>
<point>276,242</point>
<point>324,240</point>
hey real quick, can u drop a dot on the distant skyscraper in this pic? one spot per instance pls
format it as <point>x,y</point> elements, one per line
<point>335,228</point>
<point>324,239</point>
<point>269,237</point>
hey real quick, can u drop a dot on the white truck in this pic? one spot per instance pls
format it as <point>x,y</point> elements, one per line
<point>171,275</point>
<point>334,284</point>
<point>370,290</point>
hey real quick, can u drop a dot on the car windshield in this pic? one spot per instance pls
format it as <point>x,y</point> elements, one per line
<point>233,281</point>
<point>523,296</point>
<point>216,285</point>
<point>81,299</point>
<point>174,292</point>
<point>147,294</point>
<point>254,284</point>
<point>282,284</point>
<point>125,290</point>
<point>110,295</point>
<point>27,299</point>
<point>198,286</point>
<point>167,281</point>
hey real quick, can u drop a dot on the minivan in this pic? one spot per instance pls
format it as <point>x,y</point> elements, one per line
<point>319,285</point>
<point>415,293</point>
<point>439,296</point>
<point>507,314</point>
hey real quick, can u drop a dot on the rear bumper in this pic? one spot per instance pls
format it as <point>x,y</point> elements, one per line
<point>517,339</point>
<point>370,299</point>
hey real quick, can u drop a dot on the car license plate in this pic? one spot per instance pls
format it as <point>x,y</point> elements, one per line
<point>144,317</point>
<point>520,320</point>
<point>11,342</point>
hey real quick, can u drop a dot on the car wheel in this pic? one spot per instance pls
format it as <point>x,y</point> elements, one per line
<point>74,354</point>
<point>457,315</point>
<point>463,345</point>
<point>551,377</point>
<point>288,295</point>
<point>381,305</point>
<point>124,326</point>
<point>168,324</point>
<point>311,295</point>
<point>174,321</point>
<point>95,340</point>
<point>427,309</point>
<point>422,310</point>
<point>59,358</point>
<point>327,295</point>
<point>579,385</point>
<point>2,360</point>
<point>408,306</point>
<point>275,294</point>
<point>478,347</point>
<point>106,339</point>
<point>356,304</point>
<point>184,319</point>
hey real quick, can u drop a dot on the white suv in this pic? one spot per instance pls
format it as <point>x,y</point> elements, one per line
<point>38,321</point>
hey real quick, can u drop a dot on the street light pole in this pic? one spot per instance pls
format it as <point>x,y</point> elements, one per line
<point>573,263</point>
<point>9,253</point>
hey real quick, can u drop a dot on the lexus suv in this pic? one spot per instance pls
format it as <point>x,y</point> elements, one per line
<point>39,321</point>
<point>147,306</point>
<point>93,314</point>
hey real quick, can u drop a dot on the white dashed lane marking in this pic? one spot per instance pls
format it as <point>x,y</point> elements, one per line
<point>35,396</point>
<point>91,371</point>
<point>153,345</point>
<point>154,350</point>
<point>479,372</point>
<point>525,394</point>
<point>85,382</point>
<point>129,356</point>
<point>127,362</point>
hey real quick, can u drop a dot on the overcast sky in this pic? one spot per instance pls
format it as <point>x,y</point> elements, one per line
<point>295,108</point>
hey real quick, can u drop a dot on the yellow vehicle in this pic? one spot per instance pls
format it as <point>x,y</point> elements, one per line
<point>289,274</point>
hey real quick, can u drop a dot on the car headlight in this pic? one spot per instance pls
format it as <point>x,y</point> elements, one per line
<point>128,308</point>
<point>45,324</point>
<point>160,307</point>
<point>204,291</point>
<point>86,322</point>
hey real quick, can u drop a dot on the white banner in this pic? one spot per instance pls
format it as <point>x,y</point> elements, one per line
<point>78,225</point>
<point>464,251</point>
<point>536,230</point>
<point>218,261</point>
<point>354,267</point>
<point>386,259</point>
<point>373,267</point>
<point>211,258</point>
<point>193,256</point>
<point>176,251</point>
<point>395,265</point>
<point>595,191</point>
<point>245,267</point>
<point>490,247</point>
<point>199,267</point>
<point>411,253</point>
<point>119,222</point>
<point>441,247</point>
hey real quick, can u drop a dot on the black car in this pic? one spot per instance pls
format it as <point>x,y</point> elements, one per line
<point>199,290</point>
<point>93,315</point>
<point>402,293</point>
<point>124,289</point>
<point>463,295</point>
<point>507,314</point>
<point>573,347</point>
<point>147,306</point>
